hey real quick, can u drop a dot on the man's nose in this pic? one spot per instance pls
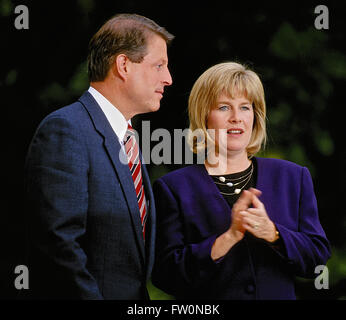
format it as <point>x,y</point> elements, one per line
<point>167,78</point>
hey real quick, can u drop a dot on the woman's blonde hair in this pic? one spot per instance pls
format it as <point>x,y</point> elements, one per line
<point>232,79</point>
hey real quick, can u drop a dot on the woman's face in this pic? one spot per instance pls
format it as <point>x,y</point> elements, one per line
<point>236,118</point>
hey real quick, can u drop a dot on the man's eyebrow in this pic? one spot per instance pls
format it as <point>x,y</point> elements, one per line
<point>163,60</point>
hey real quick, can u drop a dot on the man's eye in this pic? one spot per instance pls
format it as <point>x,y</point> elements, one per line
<point>159,66</point>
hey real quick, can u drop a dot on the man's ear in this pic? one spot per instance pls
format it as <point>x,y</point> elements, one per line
<point>121,65</point>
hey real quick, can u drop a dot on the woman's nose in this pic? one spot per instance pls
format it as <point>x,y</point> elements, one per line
<point>234,117</point>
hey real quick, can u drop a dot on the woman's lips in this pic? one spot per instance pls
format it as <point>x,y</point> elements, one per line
<point>235,131</point>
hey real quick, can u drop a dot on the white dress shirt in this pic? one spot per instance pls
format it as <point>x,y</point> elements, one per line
<point>113,115</point>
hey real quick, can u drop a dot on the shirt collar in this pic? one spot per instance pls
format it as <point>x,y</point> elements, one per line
<point>115,118</point>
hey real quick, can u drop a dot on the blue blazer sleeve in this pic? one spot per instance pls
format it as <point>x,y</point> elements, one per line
<point>57,171</point>
<point>308,246</point>
<point>177,266</point>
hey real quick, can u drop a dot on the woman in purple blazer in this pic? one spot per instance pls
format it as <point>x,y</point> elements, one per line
<point>236,226</point>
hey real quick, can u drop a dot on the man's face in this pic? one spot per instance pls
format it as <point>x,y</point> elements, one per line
<point>147,80</point>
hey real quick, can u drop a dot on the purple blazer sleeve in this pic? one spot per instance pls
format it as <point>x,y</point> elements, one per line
<point>191,214</point>
<point>307,246</point>
<point>178,266</point>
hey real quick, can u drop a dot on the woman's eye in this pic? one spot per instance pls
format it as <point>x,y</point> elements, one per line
<point>245,107</point>
<point>223,108</point>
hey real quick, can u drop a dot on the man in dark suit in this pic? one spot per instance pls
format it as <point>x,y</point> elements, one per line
<point>92,214</point>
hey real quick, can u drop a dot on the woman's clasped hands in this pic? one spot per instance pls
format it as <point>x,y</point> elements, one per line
<point>249,214</point>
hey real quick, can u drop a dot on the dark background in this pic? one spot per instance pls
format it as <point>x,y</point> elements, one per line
<point>303,72</point>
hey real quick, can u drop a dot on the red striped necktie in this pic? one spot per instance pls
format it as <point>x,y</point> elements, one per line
<point>132,151</point>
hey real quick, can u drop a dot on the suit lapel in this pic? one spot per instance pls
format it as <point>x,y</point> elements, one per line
<point>207,183</point>
<point>151,221</point>
<point>118,158</point>
<point>264,180</point>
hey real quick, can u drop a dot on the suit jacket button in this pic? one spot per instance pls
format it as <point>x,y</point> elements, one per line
<point>250,288</point>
